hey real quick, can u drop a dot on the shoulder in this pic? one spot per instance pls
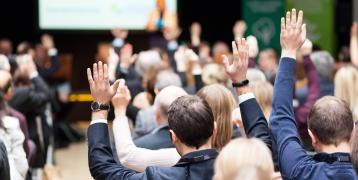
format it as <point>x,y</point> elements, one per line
<point>11,122</point>
<point>153,172</point>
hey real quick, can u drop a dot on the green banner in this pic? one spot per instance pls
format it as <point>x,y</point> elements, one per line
<point>319,17</point>
<point>263,21</point>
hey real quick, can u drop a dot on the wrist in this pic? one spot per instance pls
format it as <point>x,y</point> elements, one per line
<point>102,114</point>
<point>120,112</point>
<point>289,53</point>
<point>243,90</point>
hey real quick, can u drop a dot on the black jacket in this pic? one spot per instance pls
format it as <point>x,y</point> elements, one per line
<point>196,165</point>
<point>31,101</point>
<point>4,163</point>
<point>158,139</point>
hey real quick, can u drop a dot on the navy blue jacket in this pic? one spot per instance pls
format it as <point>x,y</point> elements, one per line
<point>196,165</point>
<point>158,139</point>
<point>293,161</point>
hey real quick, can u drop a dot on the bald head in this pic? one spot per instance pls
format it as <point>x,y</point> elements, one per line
<point>165,98</point>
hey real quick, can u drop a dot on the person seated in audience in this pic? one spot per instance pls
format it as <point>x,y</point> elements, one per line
<point>4,162</point>
<point>268,63</point>
<point>12,136</point>
<point>222,104</point>
<point>242,153</point>
<point>30,96</point>
<point>146,118</point>
<point>6,47</point>
<point>324,63</point>
<point>263,92</point>
<point>159,138</point>
<point>330,122</point>
<point>191,124</point>
<point>6,85</point>
<point>346,87</point>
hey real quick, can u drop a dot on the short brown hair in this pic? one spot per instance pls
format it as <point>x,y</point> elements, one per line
<point>331,120</point>
<point>192,120</point>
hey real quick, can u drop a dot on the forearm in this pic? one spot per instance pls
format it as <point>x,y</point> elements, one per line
<point>354,49</point>
<point>136,158</point>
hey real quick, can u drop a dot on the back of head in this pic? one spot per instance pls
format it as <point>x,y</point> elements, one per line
<point>148,60</point>
<point>241,153</point>
<point>263,92</point>
<point>214,73</point>
<point>252,173</point>
<point>222,103</point>
<point>192,120</point>
<point>167,78</point>
<point>255,75</point>
<point>165,98</point>
<point>346,87</point>
<point>331,121</point>
<point>323,62</point>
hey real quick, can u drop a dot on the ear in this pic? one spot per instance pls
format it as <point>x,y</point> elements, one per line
<point>313,137</point>
<point>173,136</point>
<point>8,94</point>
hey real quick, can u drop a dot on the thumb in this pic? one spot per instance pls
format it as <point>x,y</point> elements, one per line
<point>225,61</point>
<point>304,31</point>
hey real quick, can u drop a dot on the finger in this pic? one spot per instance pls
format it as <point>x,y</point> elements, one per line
<point>282,24</point>
<point>303,32</point>
<point>234,48</point>
<point>105,72</point>
<point>89,77</point>
<point>288,20</point>
<point>100,70</point>
<point>300,19</point>
<point>293,19</point>
<point>114,87</point>
<point>95,72</point>
<point>226,62</point>
<point>133,58</point>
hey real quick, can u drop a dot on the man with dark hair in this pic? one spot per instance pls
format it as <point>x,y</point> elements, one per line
<point>191,124</point>
<point>330,121</point>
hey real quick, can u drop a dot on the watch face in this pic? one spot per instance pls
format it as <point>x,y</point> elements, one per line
<point>95,106</point>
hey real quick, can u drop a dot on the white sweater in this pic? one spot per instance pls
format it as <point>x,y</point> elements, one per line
<point>136,158</point>
<point>13,139</point>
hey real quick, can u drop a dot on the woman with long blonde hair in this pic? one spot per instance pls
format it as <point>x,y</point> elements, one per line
<point>346,87</point>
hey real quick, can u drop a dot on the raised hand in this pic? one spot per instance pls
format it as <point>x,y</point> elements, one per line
<point>122,97</point>
<point>119,33</point>
<point>127,57</point>
<point>195,32</point>
<point>238,68</point>
<point>293,33</point>
<point>354,29</point>
<point>101,90</point>
<point>306,48</point>
<point>239,29</point>
<point>47,41</point>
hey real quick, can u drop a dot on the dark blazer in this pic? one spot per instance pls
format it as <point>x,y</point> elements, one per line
<point>158,139</point>
<point>31,101</point>
<point>196,165</point>
<point>4,163</point>
<point>294,162</point>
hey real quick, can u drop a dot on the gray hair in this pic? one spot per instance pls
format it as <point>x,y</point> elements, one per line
<point>167,78</point>
<point>147,61</point>
<point>255,75</point>
<point>323,62</point>
<point>166,97</point>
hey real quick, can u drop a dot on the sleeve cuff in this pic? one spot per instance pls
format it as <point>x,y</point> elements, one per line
<point>245,97</point>
<point>118,42</point>
<point>33,75</point>
<point>172,45</point>
<point>99,121</point>
<point>52,52</point>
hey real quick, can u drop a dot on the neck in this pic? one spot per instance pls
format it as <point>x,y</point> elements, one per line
<point>186,149</point>
<point>342,147</point>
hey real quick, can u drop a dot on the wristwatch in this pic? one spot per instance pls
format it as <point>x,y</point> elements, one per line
<point>96,106</point>
<point>241,84</point>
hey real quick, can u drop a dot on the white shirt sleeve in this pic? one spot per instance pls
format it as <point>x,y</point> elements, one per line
<point>136,158</point>
<point>245,97</point>
<point>94,121</point>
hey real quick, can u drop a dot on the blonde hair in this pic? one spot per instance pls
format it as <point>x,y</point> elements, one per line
<point>222,103</point>
<point>263,92</point>
<point>214,73</point>
<point>346,87</point>
<point>242,153</point>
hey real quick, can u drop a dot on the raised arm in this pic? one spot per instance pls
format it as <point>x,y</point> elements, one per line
<point>282,121</point>
<point>130,156</point>
<point>354,44</point>
<point>254,120</point>
<point>101,162</point>
<point>313,94</point>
